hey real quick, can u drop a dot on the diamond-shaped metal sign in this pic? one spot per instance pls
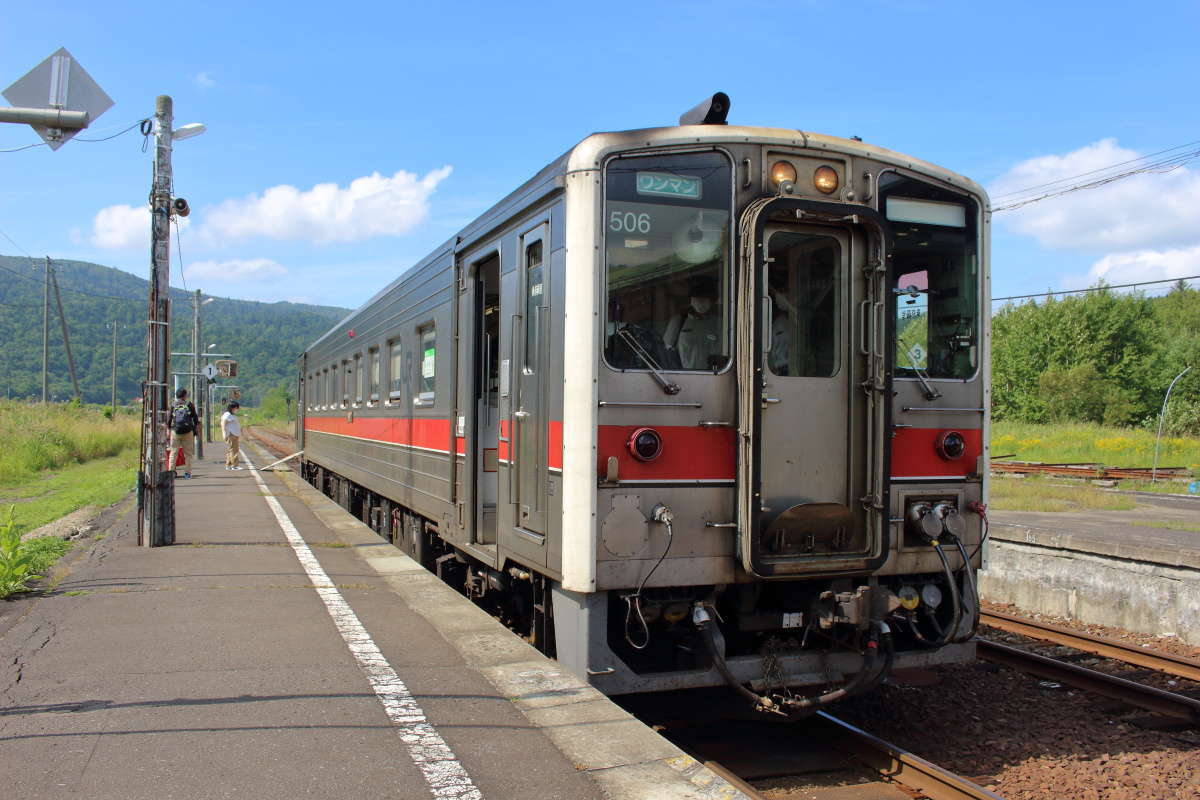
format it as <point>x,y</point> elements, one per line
<point>59,82</point>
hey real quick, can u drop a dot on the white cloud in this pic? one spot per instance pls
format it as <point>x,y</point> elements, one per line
<point>124,227</point>
<point>1146,265</point>
<point>236,269</point>
<point>370,206</point>
<point>121,227</point>
<point>1152,210</point>
<point>204,80</point>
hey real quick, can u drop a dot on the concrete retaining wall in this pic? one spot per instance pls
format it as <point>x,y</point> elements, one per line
<point>1137,595</point>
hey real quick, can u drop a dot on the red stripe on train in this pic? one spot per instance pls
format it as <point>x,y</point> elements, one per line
<point>429,434</point>
<point>914,453</point>
<point>689,453</point>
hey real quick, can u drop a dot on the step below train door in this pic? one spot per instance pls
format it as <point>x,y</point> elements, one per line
<point>807,469</point>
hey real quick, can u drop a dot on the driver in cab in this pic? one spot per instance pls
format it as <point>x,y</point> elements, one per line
<point>694,334</point>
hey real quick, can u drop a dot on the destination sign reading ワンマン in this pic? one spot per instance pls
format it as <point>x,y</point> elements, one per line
<point>663,184</point>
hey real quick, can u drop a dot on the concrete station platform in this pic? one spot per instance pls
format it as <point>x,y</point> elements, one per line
<point>280,649</point>
<point>1120,568</point>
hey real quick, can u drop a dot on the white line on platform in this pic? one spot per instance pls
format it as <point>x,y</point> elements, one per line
<point>445,775</point>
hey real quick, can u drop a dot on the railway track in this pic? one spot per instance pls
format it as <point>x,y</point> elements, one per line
<point>1107,648</point>
<point>1171,704</point>
<point>894,772</point>
<point>774,758</point>
<point>277,443</point>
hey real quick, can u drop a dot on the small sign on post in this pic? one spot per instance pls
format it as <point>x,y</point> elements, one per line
<point>227,368</point>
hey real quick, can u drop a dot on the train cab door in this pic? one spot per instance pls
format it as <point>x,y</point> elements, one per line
<point>530,356</point>
<point>805,356</point>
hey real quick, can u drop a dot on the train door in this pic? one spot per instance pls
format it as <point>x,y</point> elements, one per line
<point>807,467</point>
<point>484,444</point>
<point>530,355</point>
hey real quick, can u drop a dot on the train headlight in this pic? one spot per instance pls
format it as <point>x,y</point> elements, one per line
<point>645,444</point>
<point>825,179</point>
<point>932,595</point>
<point>951,445</point>
<point>783,172</point>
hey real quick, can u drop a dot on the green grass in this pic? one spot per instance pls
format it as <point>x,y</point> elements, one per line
<point>44,437</point>
<point>1041,494</point>
<point>21,562</point>
<point>47,496</point>
<point>1096,444</point>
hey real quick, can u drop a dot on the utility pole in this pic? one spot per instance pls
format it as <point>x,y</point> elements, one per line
<point>62,318</point>
<point>156,522</point>
<point>114,370</point>
<point>199,438</point>
<point>46,336</point>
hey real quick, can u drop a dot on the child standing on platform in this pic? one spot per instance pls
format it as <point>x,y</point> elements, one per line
<point>231,430</point>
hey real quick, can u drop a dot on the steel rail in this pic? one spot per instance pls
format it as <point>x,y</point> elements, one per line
<point>1137,694</point>
<point>1107,648</point>
<point>898,765</point>
<point>733,780</point>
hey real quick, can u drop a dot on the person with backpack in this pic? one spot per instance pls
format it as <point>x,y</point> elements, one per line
<point>231,430</point>
<point>184,421</point>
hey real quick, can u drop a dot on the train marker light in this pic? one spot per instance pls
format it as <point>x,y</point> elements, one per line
<point>932,595</point>
<point>825,179</point>
<point>645,444</point>
<point>782,171</point>
<point>951,445</point>
<point>909,599</point>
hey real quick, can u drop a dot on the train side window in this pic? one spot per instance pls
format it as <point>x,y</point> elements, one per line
<point>396,368</point>
<point>533,301</point>
<point>334,377</point>
<point>427,383</point>
<point>373,375</point>
<point>346,376</point>
<point>356,377</point>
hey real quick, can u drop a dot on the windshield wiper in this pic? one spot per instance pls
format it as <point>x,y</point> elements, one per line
<point>655,370</point>
<point>930,392</point>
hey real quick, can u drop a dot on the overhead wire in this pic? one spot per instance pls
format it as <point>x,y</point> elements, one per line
<point>1163,165</point>
<point>1096,288</point>
<point>1094,171</point>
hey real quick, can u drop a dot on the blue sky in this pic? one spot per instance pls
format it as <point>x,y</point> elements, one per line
<point>347,140</point>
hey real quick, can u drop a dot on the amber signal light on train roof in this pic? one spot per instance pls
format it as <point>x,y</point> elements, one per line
<point>826,180</point>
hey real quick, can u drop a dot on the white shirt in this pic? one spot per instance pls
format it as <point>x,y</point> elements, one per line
<point>230,426</point>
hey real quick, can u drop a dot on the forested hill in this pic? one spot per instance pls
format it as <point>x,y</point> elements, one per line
<point>265,338</point>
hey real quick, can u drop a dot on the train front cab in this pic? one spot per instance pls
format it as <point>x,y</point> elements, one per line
<point>761,513</point>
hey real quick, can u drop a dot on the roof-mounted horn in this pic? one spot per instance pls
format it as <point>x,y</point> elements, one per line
<point>712,111</point>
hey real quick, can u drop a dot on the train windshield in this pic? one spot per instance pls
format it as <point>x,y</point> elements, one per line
<point>667,255</point>
<point>935,278</point>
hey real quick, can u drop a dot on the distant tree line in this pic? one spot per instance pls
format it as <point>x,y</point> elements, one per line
<point>1099,357</point>
<point>265,338</point>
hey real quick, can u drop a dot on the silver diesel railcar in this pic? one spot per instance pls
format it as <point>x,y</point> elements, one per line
<point>693,405</point>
